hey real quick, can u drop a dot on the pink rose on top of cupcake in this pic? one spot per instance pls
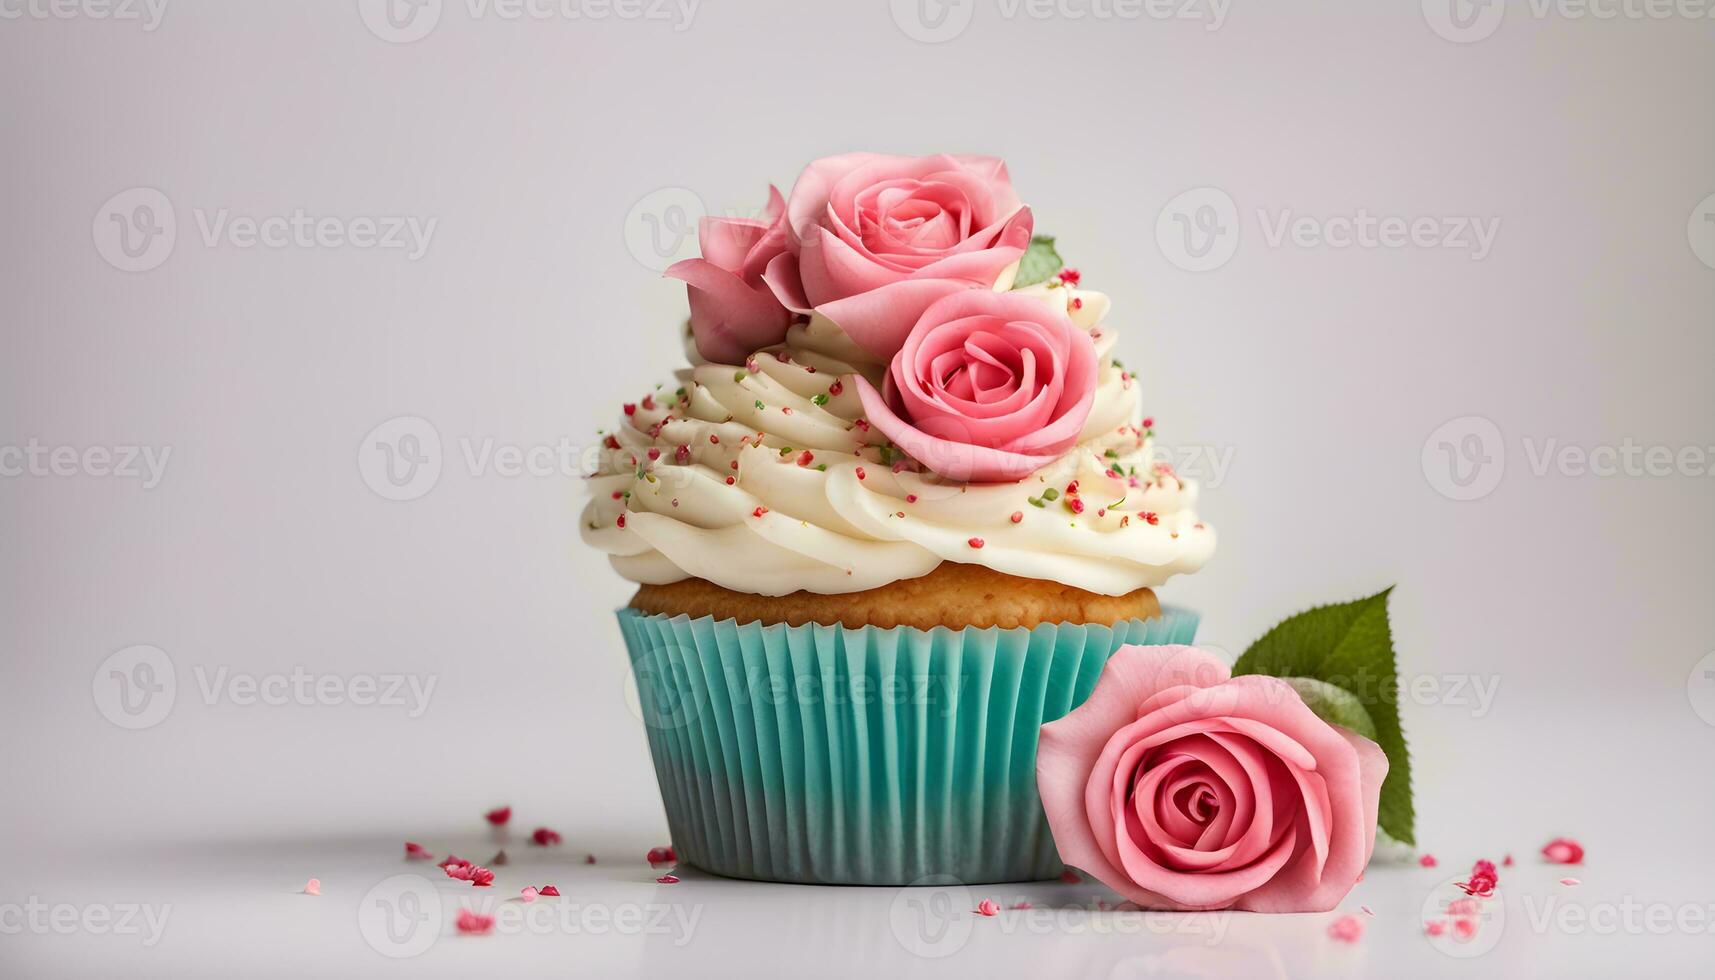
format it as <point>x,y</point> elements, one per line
<point>873,239</point>
<point>733,312</point>
<point>1181,787</point>
<point>987,387</point>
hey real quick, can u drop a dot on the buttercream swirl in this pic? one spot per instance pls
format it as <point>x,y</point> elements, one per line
<point>766,479</point>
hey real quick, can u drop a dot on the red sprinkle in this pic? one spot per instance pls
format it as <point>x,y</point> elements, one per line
<point>976,542</point>
<point>734,464</point>
<point>786,409</point>
<point>1076,504</point>
<point>1070,277</point>
<point>630,409</point>
<point>416,852</point>
<point>1563,850</point>
<point>1070,877</point>
<point>548,891</point>
<point>475,923</point>
<point>544,837</point>
<point>682,455</point>
<point>806,457</point>
<point>1428,861</point>
<point>837,387</point>
<point>758,512</point>
<point>987,907</point>
<point>654,453</point>
<point>616,495</point>
<point>621,520</point>
<point>1149,422</point>
<point>862,425</point>
<point>649,402</point>
<point>610,442</point>
<point>589,858</point>
<point>910,498</point>
<point>1151,517</point>
<point>1017,515</point>
<point>662,855</point>
<point>714,440</point>
<point>1072,487</point>
<point>730,481</point>
<point>451,860</point>
<point>1507,861</point>
<point>1077,304</point>
<point>667,880</point>
<point>479,877</point>
<point>860,473</point>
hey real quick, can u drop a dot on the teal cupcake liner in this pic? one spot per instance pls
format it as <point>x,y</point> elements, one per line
<point>827,755</point>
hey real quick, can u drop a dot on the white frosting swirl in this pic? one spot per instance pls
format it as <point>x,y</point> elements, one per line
<point>765,480</point>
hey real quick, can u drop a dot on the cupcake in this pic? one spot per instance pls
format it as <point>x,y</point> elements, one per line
<point>893,518</point>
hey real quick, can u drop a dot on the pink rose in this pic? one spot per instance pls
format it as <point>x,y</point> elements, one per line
<point>1182,787</point>
<point>733,312</point>
<point>874,239</point>
<point>988,387</point>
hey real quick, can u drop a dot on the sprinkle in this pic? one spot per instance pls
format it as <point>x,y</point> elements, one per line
<point>610,442</point>
<point>837,387</point>
<point>617,494</point>
<point>1070,877</point>
<point>313,886</point>
<point>975,542</point>
<point>1563,881</point>
<point>1507,861</point>
<point>474,923</point>
<point>758,512</point>
<point>1070,277</point>
<point>416,852</point>
<point>682,455</point>
<point>621,520</point>
<point>1017,516</point>
<point>548,891</point>
<point>818,399</point>
<point>734,464</point>
<point>1077,303</point>
<point>544,837</point>
<point>787,409</point>
<point>1427,860</point>
<point>806,458</point>
<point>1464,906</point>
<point>1021,906</point>
<point>667,880</point>
<point>1050,494</point>
<point>1071,488</point>
<point>739,376</point>
<point>499,859</point>
<point>860,473</point>
<point>649,402</point>
<point>629,408</point>
<point>1346,929</point>
<point>1151,517</point>
<point>1036,501</point>
<point>528,894</point>
<point>1464,928</point>
<point>589,858</point>
<point>1563,850</point>
<point>730,481</point>
<point>1076,505</point>
<point>451,860</point>
<point>987,907</point>
<point>478,877</point>
<point>662,855</point>
<point>910,498</point>
<point>1366,910</point>
<point>654,453</point>
<point>759,404</point>
<point>1435,927</point>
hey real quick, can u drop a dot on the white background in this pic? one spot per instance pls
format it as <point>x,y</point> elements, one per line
<point>542,148</point>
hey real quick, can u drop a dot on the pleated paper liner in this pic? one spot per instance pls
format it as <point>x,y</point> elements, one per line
<point>821,754</point>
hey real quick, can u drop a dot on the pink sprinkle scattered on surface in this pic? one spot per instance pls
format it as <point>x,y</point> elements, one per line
<point>548,891</point>
<point>479,877</point>
<point>528,894</point>
<point>1570,881</point>
<point>1365,909</point>
<point>544,837</point>
<point>1464,928</point>
<point>987,907</point>
<point>1428,861</point>
<point>1435,927</point>
<point>667,880</point>
<point>1507,861</point>
<point>1346,929</point>
<point>1022,906</point>
<point>416,852</point>
<point>313,886</point>
<point>474,924</point>
<point>1563,850</point>
<point>498,816</point>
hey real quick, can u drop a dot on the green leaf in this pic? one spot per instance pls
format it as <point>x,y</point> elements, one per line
<point>1040,262</point>
<point>1348,646</point>
<point>1334,705</point>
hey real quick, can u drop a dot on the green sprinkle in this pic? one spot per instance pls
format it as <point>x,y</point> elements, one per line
<point>680,392</point>
<point>1050,494</point>
<point>819,400</point>
<point>785,450</point>
<point>1112,454</point>
<point>1036,502</point>
<point>759,404</point>
<point>740,375</point>
<point>822,467</point>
